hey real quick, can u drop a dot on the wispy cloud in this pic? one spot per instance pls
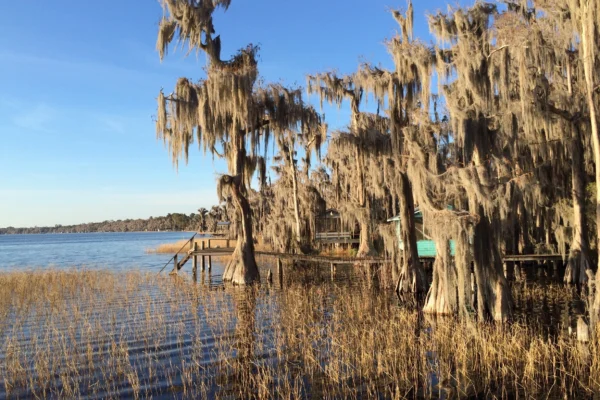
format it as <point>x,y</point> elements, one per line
<point>112,123</point>
<point>44,117</point>
<point>39,118</point>
<point>87,67</point>
<point>117,195</point>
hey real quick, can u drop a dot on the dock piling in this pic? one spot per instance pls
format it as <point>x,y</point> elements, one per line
<point>280,271</point>
<point>209,258</point>
<point>195,258</point>
<point>203,261</point>
<point>332,266</point>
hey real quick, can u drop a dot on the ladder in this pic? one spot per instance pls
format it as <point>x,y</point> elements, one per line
<point>177,265</point>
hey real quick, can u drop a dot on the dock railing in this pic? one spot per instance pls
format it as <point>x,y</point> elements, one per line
<point>178,251</point>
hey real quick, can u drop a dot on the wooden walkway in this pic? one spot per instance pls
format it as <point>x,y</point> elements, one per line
<point>206,253</point>
<point>532,257</point>
<point>227,251</point>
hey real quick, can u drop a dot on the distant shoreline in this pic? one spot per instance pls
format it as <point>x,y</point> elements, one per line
<point>77,233</point>
<point>175,222</point>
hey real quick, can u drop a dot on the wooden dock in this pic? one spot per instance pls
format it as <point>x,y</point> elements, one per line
<point>202,254</point>
<point>532,257</point>
<point>205,252</point>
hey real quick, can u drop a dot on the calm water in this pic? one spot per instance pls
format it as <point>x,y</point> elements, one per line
<point>113,251</point>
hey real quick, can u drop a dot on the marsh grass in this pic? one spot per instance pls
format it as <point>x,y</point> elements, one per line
<point>182,246</point>
<point>68,334</point>
<point>172,248</point>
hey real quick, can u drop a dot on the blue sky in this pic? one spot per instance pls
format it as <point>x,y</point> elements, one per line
<point>79,81</point>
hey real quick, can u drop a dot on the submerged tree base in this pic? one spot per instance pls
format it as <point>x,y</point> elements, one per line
<point>241,268</point>
<point>577,266</point>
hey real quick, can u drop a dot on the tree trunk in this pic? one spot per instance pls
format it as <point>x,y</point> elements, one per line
<point>242,268</point>
<point>587,42</point>
<point>450,291</point>
<point>441,298</point>
<point>493,293</point>
<point>412,277</point>
<point>295,194</point>
<point>579,259</point>
<point>362,198</point>
<point>524,242</point>
<point>365,248</point>
<point>462,264</point>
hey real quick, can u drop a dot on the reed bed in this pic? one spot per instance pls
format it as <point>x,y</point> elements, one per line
<point>182,246</point>
<point>69,334</point>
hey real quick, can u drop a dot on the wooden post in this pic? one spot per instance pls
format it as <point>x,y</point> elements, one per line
<point>332,266</point>
<point>203,260</point>
<point>269,276</point>
<point>209,263</point>
<point>195,258</point>
<point>175,266</point>
<point>209,243</point>
<point>473,288</point>
<point>227,243</point>
<point>518,271</point>
<point>583,331</point>
<point>280,272</point>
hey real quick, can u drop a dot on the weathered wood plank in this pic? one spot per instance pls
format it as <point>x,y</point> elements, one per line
<point>298,257</point>
<point>532,257</point>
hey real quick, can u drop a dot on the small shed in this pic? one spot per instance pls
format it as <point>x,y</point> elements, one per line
<point>223,228</point>
<point>425,245</point>
<point>331,229</point>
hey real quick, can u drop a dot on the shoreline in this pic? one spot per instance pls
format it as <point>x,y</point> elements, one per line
<point>87,233</point>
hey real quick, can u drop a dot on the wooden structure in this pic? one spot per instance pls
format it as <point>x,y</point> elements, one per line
<point>532,257</point>
<point>223,228</point>
<point>427,250</point>
<point>200,248</point>
<point>227,251</point>
<point>330,229</point>
<point>206,249</point>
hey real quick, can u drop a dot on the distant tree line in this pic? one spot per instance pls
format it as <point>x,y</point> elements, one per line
<point>203,221</point>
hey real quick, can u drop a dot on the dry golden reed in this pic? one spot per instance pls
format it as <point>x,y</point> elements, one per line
<point>183,246</point>
<point>67,334</point>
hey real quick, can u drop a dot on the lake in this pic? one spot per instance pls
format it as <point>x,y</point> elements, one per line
<point>113,251</point>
